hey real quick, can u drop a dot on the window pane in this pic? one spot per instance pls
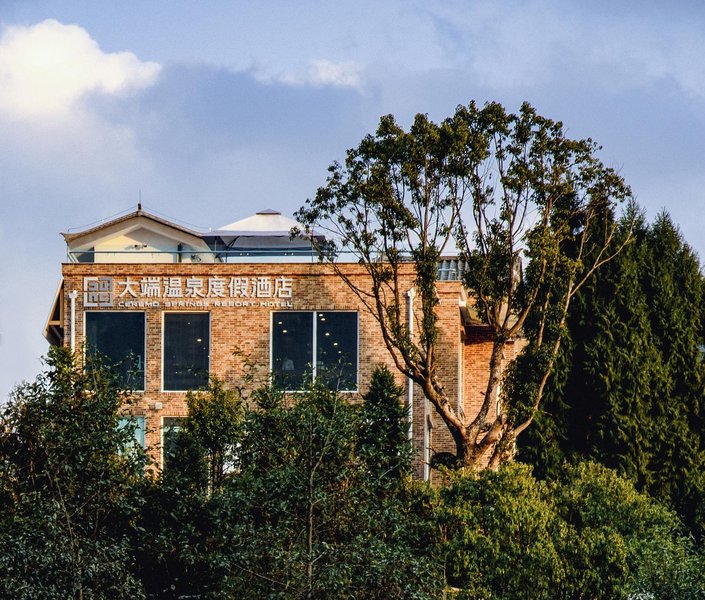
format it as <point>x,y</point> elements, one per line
<point>336,348</point>
<point>171,427</point>
<point>186,350</point>
<point>139,430</point>
<point>292,348</point>
<point>119,338</point>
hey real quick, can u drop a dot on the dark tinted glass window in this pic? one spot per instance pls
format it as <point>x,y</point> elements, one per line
<point>186,350</point>
<point>336,349</point>
<point>292,349</point>
<point>332,358</point>
<point>118,337</point>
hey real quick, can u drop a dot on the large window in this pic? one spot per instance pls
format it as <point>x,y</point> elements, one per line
<point>118,337</point>
<point>186,350</point>
<point>315,345</point>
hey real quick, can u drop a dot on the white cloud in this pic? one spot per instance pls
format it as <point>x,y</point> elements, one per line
<point>344,74</point>
<point>322,72</point>
<point>53,136</point>
<point>47,69</point>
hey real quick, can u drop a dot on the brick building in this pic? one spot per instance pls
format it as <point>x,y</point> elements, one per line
<point>183,305</point>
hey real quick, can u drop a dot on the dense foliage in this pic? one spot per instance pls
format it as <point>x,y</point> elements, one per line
<point>312,499</point>
<point>630,388</point>
<point>69,487</point>
<point>586,535</point>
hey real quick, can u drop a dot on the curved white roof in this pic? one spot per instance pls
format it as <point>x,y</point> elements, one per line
<point>264,223</point>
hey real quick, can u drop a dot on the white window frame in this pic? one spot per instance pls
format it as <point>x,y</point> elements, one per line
<point>142,442</point>
<point>161,435</point>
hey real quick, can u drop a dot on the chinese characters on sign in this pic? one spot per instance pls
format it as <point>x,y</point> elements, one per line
<point>187,291</point>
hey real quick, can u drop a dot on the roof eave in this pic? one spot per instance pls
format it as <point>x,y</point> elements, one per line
<point>70,237</point>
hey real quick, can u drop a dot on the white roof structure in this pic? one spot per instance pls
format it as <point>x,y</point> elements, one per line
<point>265,223</point>
<point>265,234</point>
<point>137,237</point>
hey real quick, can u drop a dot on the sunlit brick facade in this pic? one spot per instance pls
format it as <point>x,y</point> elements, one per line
<point>221,309</point>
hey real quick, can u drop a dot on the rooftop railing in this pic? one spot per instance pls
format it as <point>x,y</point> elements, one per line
<point>449,268</point>
<point>188,256</point>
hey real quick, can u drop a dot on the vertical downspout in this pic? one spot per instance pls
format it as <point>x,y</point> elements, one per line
<point>410,383</point>
<point>73,294</point>
<point>498,408</point>
<point>428,426</point>
<point>461,367</point>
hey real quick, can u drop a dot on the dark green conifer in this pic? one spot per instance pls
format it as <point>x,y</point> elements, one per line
<point>630,388</point>
<point>384,442</point>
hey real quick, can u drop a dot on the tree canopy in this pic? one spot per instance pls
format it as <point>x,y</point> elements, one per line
<point>69,478</point>
<point>504,190</point>
<point>320,505</point>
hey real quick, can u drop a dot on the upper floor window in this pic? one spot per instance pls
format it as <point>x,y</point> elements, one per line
<point>186,351</point>
<point>118,337</point>
<point>315,345</point>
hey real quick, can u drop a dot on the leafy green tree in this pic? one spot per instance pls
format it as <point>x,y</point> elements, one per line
<point>69,475</point>
<point>179,520</point>
<point>622,542</point>
<point>214,423</point>
<point>172,542</point>
<point>303,518</point>
<point>504,187</point>
<point>587,535</point>
<point>630,388</point>
<point>498,535</point>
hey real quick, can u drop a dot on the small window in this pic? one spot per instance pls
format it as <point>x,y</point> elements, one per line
<point>171,426</point>
<point>139,430</point>
<point>186,351</point>
<point>118,337</point>
<point>315,345</point>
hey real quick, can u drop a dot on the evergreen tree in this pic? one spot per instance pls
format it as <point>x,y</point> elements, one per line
<point>630,390</point>
<point>384,442</point>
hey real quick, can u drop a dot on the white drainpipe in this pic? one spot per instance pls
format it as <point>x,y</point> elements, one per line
<point>73,294</point>
<point>461,366</point>
<point>410,384</point>
<point>428,426</point>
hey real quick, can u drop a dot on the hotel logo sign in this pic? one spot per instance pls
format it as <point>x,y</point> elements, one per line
<point>97,291</point>
<point>185,292</point>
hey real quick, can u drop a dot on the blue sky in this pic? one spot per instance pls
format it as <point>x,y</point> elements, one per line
<point>213,110</point>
